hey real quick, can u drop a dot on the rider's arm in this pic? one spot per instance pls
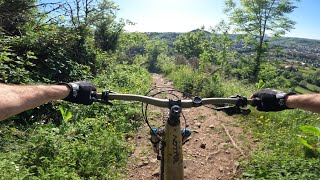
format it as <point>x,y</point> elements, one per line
<point>15,99</point>
<point>309,102</point>
<point>274,100</point>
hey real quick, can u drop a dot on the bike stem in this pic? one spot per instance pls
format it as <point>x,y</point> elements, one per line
<point>172,156</point>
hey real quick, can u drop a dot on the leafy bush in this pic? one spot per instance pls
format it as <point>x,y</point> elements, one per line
<point>62,54</point>
<point>192,81</point>
<point>14,68</point>
<point>89,143</point>
<point>51,54</point>
<point>271,77</point>
<point>105,61</point>
<point>165,63</point>
<point>131,45</point>
<point>241,67</point>
<point>154,48</point>
<point>122,79</point>
<point>191,44</point>
<point>183,78</point>
<point>87,149</point>
<point>280,154</point>
<point>311,140</point>
<point>268,165</point>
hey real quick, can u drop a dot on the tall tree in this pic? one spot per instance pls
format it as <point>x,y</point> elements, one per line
<point>107,29</point>
<point>223,43</point>
<point>130,45</point>
<point>257,19</point>
<point>100,14</point>
<point>197,47</point>
<point>190,44</point>
<point>14,14</point>
<point>107,34</point>
<point>153,49</point>
<point>93,16</point>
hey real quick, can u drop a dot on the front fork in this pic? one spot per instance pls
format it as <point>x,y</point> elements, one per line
<point>155,133</point>
<point>171,146</point>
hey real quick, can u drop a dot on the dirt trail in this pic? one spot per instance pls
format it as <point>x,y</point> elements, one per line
<point>213,151</point>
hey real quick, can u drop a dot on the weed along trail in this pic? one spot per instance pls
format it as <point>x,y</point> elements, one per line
<point>213,150</point>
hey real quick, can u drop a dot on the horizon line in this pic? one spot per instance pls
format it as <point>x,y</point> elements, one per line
<point>210,32</point>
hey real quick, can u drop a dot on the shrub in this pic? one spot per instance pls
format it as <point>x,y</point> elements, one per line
<point>87,149</point>
<point>88,143</point>
<point>14,68</point>
<point>165,63</point>
<point>60,56</point>
<point>192,81</point>
<point>268,165</point>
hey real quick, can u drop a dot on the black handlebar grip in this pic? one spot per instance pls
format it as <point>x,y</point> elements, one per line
<point>256,102</point>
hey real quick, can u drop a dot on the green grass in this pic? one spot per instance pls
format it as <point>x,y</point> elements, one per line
<point>279,155</point>
<point>307,71</point>
<point>302,90</point>
<point>313,88</point>
<point>232,87</point>
<point>89,145</point>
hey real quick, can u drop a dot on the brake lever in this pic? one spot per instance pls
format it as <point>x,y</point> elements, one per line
<point>232,110</point>
<point>104,98</point>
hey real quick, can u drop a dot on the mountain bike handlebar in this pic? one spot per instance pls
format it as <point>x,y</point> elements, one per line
<point>169,151</point>
<point>238,101</point>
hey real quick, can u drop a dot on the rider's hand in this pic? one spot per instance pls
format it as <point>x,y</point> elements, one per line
<point>271,100</point>
<point>80,92</point>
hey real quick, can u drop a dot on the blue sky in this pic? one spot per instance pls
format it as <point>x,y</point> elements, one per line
<point>186,15</point>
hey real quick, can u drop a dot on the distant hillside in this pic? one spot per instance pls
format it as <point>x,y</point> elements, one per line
<point>295,49</point>
<point>303,43</point>
<point>299,49</point>
<point>169,36</point>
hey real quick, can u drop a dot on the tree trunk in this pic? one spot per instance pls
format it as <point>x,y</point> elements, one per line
<point>256,69</point>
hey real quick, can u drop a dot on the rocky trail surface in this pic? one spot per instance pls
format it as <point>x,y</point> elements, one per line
<point>213,151</point>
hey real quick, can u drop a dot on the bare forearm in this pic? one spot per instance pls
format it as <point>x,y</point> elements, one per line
<point>310,102</point>
<point>18,98</point>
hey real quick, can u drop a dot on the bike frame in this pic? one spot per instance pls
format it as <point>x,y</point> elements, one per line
<point>171,148</point>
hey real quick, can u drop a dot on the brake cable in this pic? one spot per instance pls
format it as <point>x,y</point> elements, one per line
<point>144,111</point>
